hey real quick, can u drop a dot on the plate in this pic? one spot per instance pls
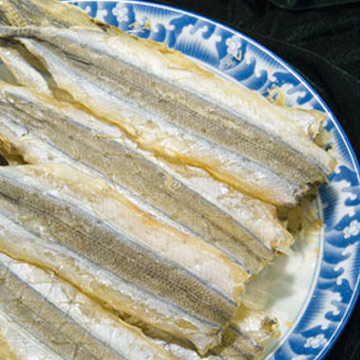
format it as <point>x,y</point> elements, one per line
<point>315,290</point>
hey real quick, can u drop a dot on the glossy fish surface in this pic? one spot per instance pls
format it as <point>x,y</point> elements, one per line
<point>233,150</point>
<point>231,222</point>
<point>149,192</point>
<point>42,12</point>
<point>55,13</point>
<point>51,301</point>
<point>85,219</point>
<point>22,71</point>
<point>75,326</point>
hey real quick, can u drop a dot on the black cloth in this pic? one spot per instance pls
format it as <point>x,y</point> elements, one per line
<point>321,39</point>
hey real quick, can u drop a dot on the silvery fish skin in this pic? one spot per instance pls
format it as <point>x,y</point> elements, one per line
<point>309,120</point>
<point>156,273</point>
<point>61,306</point>
<point>42,12</point>
<point>24,314</point>
<point>194,199</point>
<point>126,340</point>
<point>31,347</point>
<point>42,152</point>
<point>24,73</point>
<point>260,164</point>
<point>234,346</point>
<point>52,12</point>
<point>244,339</point>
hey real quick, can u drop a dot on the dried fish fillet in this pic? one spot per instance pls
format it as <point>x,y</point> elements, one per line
<point>70,135</point>
<point>158,274</point>
<point>228,146</point>
<point>311,121</point>
<point>103,326</point>
<point>55,13</point>
<point>90,331</point>
<point>23,72</point>
<point>30,347</point>
<point>244,339</point>
<point>42,12</point>
<point>159,153</point>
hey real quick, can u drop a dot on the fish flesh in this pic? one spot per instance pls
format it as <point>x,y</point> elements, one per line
<point>143,267</point>
<point>199,133</point>
<point>51,311</point>
<point>58,14</point>
<point>62,133</point>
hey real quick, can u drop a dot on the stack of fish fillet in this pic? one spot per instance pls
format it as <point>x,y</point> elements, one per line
<point>141,196</point>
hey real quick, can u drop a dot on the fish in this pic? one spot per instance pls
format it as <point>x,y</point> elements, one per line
<point>61,320</point>
<point>99,322</point>
<point>22,71</point>
<point>200,133</point>
<point>80,227</point>
<point>60,14</point>
<point>244,339</point>
<point>310,121</point>
<point>44,12</point>
<point>61,133</point>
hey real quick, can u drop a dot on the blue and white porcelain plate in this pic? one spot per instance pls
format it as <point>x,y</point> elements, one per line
<point>315,289</point>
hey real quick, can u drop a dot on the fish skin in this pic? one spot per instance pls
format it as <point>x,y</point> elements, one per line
<point>23,306</point>
<point>311,121</point>
<point>212,302</point>
<point>157,133</point>
<point>76,192</point>
<point>185,110</point>
<point>52,122</point>
<point>42,12</point>
<point>51,11</point>
<point>274,237</point>
<point>74,307</point>
<point>103,288</point>
<point>173,144</point>
<point>24,73</point>
<point>239,341</point>
<point>98,322</point>
<point>28,248</point>
<point>30,347</point>
<point>235,344</point>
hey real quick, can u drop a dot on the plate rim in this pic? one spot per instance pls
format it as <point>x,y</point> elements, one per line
<point>355,297</point>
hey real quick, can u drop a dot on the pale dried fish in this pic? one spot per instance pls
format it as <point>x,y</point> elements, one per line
<point>228,145</point>
<point>53,312</point>
<point>245,229</point>
<point>156,273</point>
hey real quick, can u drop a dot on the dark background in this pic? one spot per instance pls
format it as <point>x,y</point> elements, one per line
<point>321,39</point>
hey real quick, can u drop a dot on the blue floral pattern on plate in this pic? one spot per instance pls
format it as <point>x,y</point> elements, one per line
<point>230,53</point>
